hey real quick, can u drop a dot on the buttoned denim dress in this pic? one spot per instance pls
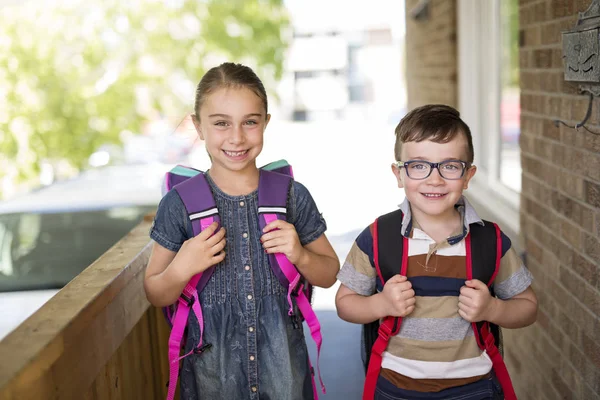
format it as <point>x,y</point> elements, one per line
<point>257,352</point>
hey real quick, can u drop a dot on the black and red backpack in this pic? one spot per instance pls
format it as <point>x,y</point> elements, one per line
<point>483,254</point>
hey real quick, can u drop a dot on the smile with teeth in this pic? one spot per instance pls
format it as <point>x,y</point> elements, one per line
<point>434,195</point>
<point>235,153</point>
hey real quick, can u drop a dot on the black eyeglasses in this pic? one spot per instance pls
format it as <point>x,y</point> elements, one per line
<point>420,169</point>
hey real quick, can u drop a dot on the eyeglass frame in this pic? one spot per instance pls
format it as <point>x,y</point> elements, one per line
<point>432,166</point>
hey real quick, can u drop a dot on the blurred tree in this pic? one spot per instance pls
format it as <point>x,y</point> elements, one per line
<point>75,74</point>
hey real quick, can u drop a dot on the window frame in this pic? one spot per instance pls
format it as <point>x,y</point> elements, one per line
<point>479,97</point>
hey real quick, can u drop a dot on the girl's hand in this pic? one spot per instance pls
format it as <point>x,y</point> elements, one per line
<point>203,251</point>
<point>399,296</point>
<point>281,237</point>
<point>475,302</point>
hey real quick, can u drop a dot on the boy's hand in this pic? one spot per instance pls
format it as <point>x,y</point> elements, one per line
<point>399,296</point>
<point>281,237</point>
<point>205,250</point>
<point>475,302</point>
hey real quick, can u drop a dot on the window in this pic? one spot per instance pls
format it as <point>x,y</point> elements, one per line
<point>489,101</point>
<point>510,110</point>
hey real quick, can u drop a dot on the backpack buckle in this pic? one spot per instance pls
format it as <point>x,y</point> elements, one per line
<point>297,289</point>
<point>187,300</point>
<point>202,349</point>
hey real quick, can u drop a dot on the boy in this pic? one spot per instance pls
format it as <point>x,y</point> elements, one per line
<point>435,354</point>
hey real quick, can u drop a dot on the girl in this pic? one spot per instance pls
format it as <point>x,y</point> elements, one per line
<point>256,352</point>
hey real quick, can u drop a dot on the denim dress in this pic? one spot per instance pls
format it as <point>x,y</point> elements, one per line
<point>256,352</point>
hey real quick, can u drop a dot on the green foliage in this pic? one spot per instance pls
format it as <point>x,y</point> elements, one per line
<point>510,37</point>
<point>74,76</point>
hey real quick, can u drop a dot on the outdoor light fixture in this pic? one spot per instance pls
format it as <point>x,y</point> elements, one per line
<point>581,54</point>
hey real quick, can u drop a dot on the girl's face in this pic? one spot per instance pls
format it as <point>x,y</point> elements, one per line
<point>232,123</point>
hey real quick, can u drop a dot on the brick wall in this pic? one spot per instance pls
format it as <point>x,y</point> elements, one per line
<point>559,356</point>
<point>431,55</point>
<point>560,214</point>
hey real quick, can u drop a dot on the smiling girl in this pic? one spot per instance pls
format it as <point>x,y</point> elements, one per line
<point>256,350</point>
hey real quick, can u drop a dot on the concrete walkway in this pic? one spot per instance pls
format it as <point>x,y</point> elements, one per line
<point>341,365</point>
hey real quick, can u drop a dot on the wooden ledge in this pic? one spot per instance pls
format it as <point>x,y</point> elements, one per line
<point>61,348</point>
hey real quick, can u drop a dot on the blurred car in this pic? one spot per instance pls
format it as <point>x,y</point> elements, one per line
<point>49,236</point>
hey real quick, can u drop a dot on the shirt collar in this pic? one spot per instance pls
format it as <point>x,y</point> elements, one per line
<point>466,210</point>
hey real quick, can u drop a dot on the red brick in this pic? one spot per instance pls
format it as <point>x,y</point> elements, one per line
<point>571,233</point>
<point>568,87</point>
<point>554,107</point>
<point>591,350</point>
<point>586,270</point>
<point>561,8</point>
<point>592,193</point>
<point>533,36</point>
<point>559,384</point>
<point>591,247</point>
<point>566,113</point>
<point>524,59</point>
<point>542,58</point>
<point>550,82</point>
<point>557,58</point>
<point>592,166</point>
<point>590,141</point>
<point>572,184</point>
<point>550,33</point>
<point>571,137</point>
<point>579,108</point>
<point>551,265</point>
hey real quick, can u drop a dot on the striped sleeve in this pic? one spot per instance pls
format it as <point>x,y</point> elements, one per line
<point>513,277</point>
<point>357,272</point>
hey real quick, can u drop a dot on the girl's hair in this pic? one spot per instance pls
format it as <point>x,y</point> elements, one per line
<point>436,122</point>
<point>228,75</point>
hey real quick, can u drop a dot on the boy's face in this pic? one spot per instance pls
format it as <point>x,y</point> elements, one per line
<point>434,196</point>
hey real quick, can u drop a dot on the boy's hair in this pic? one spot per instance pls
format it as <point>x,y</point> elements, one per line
<point>229,75</point>
<point>436,122</point>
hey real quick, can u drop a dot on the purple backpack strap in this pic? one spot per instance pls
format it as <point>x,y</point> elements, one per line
<point>202,211</point>
<point>273,192</point>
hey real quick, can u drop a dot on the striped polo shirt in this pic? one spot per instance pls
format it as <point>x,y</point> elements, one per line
<point>435,348</point>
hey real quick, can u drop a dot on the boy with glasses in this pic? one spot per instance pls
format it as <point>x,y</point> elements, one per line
<point>434,354</point>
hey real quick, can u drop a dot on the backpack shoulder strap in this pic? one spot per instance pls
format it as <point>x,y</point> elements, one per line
<point>199,202</point>
<point>485,251</point>
<point>484,254</point>
<point>390,256</point>
<point>388,245</point>
<point>273,192</point>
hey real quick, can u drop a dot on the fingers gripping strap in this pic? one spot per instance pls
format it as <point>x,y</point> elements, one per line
<point>288,269</point>
<point>293,276</point>
<point>390,325</point>
<point>180,319</point>
<point>483,336</point>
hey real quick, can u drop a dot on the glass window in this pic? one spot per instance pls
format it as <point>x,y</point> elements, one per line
<point>510,108</point>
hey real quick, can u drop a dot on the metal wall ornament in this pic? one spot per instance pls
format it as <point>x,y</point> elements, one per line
<point>581,55</point>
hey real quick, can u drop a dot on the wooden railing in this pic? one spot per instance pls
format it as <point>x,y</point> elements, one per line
<point>97,338</point>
